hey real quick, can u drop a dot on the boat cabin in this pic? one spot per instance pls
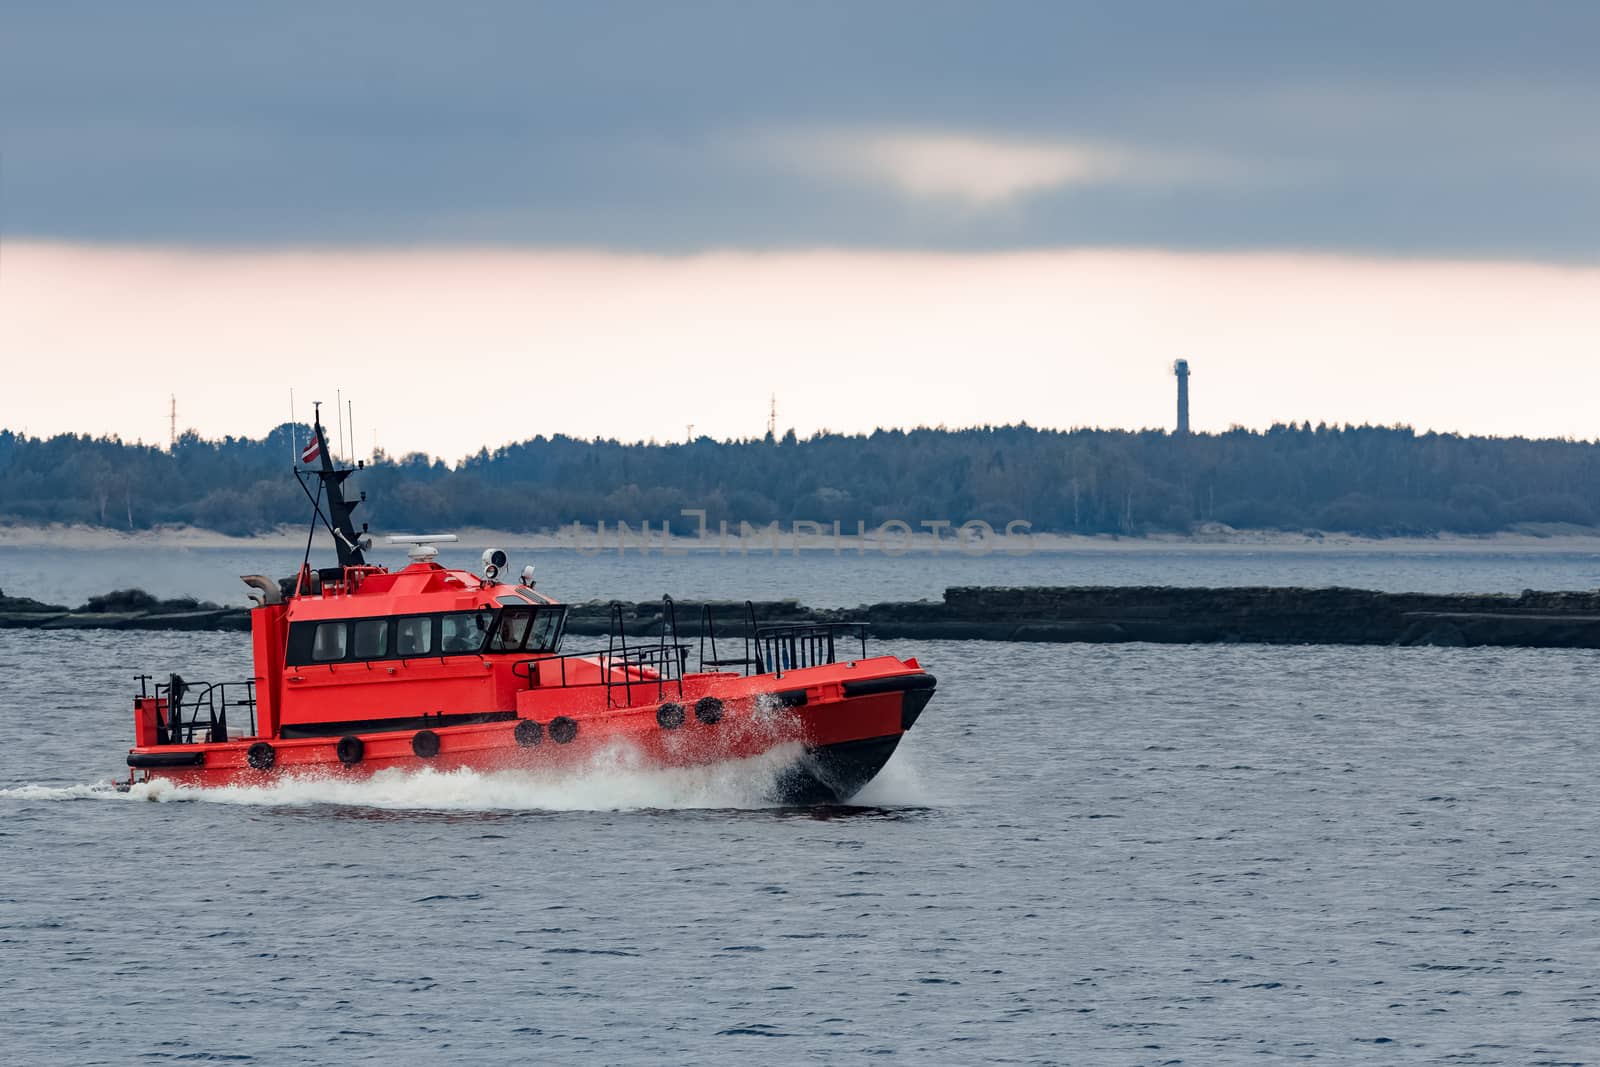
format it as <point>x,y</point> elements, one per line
<point>375,650</point>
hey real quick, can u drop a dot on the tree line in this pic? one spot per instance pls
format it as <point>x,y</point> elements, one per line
<point>1362,479</point>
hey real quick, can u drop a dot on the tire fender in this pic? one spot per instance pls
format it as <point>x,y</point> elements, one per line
<point>261,756</point>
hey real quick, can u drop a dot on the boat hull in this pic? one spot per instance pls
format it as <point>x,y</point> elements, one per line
<point>843,721</point>
<point>833,774</point>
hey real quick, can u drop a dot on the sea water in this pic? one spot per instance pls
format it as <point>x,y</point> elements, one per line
<point>823,579</point>
<point>1081,854</point>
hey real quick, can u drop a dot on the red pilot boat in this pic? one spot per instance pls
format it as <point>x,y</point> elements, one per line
<point>359,669</point>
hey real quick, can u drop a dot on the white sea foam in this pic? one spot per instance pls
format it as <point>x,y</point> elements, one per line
<point>613,780</point>
<point>898,785</point>
<point>97,791</point>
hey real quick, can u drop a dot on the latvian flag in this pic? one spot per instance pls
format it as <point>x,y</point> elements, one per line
<point>312,452</point>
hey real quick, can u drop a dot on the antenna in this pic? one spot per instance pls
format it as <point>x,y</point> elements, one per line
<point>338,402</point>
<point>350,413</point>
<point>772,418</point>
<point>172,428</point>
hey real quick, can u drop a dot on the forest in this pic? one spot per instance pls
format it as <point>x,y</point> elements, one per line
<point>1372,480</point>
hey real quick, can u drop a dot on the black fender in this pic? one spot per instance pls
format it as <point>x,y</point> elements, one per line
<point>528,733</point>
<point>350,750</point>
<point>425,743</point>
<point>166,759</point>
<point>895,683</point>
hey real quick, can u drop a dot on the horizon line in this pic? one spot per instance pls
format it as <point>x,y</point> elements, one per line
<point>427,246</point>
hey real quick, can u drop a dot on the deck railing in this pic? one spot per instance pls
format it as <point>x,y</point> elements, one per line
<point>659,665</point>
<point>198,711</point>
<point>792,646</point>
<point>769,648</point>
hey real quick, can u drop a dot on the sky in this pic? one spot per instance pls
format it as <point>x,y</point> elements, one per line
<point>622,219</point>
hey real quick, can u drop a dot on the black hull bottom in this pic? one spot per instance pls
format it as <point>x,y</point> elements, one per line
<point>832,774</point>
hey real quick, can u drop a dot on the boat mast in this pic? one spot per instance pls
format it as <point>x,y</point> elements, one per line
<point>345,538</point>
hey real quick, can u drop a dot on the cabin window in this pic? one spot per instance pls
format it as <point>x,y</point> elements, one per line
<point>546,631</point>
<point>371,639</point>
<point>414,636</point>
<point>512,629</point>
<point>418,636</point>
<point>527,630</point>
<point>464,631</point>
<point>328,644</point>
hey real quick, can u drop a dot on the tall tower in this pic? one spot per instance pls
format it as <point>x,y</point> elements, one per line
<point>1181,369</point>
<point>172,424</point>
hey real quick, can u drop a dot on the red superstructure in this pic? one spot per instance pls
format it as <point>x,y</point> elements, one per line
<point>359,669</point>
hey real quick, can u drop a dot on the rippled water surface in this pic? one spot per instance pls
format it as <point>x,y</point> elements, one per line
<point>1086,854</point>
<point>822,579</point>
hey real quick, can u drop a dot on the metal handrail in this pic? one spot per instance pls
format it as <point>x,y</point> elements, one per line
<point>212,698</point>
<point>708,630</point>
<point>665,660</point>
<point>785,646</point>
<point>770,648</point>
<point>619,670</point>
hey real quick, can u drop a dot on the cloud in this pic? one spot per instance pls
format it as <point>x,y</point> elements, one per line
<point>977,169</point>
<point>1464,128</point>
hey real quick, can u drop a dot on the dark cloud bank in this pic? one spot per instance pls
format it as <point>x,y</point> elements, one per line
<point>1439,128</point>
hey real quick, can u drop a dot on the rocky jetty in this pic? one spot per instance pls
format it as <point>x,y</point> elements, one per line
<point>1170,615</point>
<point>1266,615</point>
<point>124,609</point>
<point>1100,614</point>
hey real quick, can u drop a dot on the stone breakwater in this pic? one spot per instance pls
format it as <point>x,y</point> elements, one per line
<point>1099,614</point>
<point>125,609</point>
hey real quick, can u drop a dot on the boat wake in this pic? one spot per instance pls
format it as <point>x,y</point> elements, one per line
<point>613,781</point>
